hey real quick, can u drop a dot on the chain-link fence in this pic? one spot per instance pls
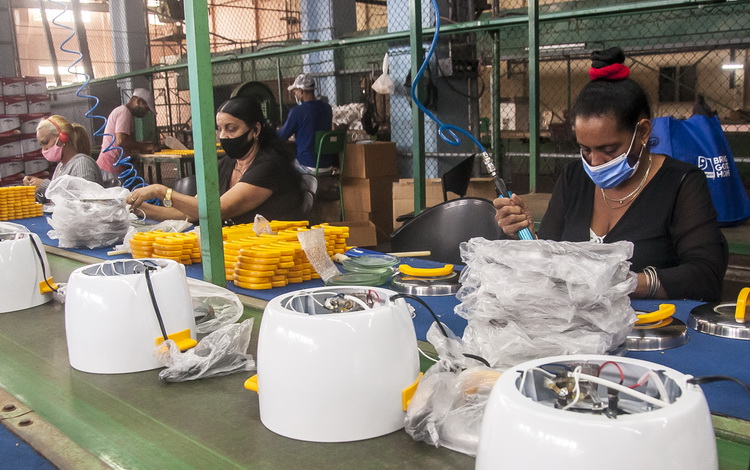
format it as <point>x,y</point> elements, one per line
<point>478,78</point>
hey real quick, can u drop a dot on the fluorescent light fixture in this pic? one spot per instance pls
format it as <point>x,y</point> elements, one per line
<point>557,47</point>
<point>732,66</point>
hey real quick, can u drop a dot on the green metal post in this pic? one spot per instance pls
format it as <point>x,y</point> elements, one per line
<point>417,118</point>
<point>281,91</point>
<point>204,139</point>
<point>533,94</point>
<point>497,143</point>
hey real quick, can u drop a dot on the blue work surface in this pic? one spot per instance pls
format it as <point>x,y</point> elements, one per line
<point>702,355</point>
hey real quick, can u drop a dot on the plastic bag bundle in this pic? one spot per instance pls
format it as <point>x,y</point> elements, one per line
<point>167,226</point>
<point>384,84</point>
<point>448,406</point>
<point>86,214</point>
<point>222,352</point>
<point>530,299</point>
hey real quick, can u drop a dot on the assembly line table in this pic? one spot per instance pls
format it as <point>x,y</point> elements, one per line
<point>134,421</point>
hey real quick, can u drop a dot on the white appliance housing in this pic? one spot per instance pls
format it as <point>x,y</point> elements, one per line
<point>21,269</point>
<point>110,322</point>
<point>335,377</point>
<point>522,429</point>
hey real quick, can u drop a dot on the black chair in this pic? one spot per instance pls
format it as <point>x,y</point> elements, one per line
<point>441,228</point>
<point>186,185</point>
<point>309,188</point>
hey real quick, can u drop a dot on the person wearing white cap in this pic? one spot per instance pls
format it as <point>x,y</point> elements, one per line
<point>311,115</point>
<point>120,126</point>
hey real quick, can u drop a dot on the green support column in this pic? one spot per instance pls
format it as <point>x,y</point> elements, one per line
<point>417,118</point>
<point>204,138</point>
<point>533,94</point>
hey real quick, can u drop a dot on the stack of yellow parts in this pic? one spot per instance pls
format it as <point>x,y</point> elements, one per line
<point>273,260</point>
<point>19,202</point>
<point>180,247</point>
<point>174,152</point>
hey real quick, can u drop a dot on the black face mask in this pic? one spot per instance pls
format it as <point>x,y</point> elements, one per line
<point>237,147</point>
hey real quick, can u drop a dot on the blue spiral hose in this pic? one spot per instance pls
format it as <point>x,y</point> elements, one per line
<point>447,132</point>
<point>129,177</point>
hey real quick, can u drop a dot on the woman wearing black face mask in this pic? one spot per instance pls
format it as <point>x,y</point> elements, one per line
<point>255,177</point>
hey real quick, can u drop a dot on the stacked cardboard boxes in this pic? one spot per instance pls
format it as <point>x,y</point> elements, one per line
<point>24,101</point>
<point>403,194</point>
<point>369,173</point>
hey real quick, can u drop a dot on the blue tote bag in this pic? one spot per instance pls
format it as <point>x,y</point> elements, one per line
<point>700,140</point>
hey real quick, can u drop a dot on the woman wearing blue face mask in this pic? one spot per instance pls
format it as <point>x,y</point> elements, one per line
<point>255,177</point>
<point>619,191</point>
<point>68,146</point>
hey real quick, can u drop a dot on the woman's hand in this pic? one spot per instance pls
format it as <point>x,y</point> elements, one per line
<point>511,215</point>
<point>32,181</point>
<point>141,195</point>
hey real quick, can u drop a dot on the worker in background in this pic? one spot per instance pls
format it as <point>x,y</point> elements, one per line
<point>311,115</point>
<point>618,190</point>
<point>256,176</point>
<point>120,124</point>
<point>67,145</point>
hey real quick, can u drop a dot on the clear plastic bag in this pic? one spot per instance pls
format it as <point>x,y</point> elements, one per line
<point>225,307</point>
<point>448,407</point>
<point>314,245</point>
<point>222,352</point>
<point>384,84</point>
<point>164,226</point>
<point>261,225</point>
<point>86,214</point>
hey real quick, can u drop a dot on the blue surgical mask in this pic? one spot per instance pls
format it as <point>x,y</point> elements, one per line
<point>614,172</point>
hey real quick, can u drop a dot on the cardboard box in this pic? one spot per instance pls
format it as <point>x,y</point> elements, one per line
<point>403,196</point>
<point>383,221</point>
<point>368,194</point>
<point>481,187</point>
<point>361,233</point>
<point>370,160</point>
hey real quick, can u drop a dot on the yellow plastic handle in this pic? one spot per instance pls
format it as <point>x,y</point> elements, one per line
<point>665,311</point>
<point>425,272</point>
<point>739,310</point>
<point>408,392</point>
<point>252,383</point>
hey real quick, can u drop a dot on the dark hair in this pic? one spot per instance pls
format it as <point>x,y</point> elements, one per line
<point>622,98</point>
<point>250,112</point>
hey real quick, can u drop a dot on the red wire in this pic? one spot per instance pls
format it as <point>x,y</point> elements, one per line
<point>622,375</point>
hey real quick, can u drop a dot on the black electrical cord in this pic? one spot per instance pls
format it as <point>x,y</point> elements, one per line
<point>41,261</point>
<point>440,325</point>
<point>153,301</point>
<point>718,378</point>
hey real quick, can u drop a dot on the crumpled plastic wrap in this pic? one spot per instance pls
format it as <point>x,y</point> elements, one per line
<point>261,225</point>
<point>448,406</point>
<point>226,307</point>
<point>86,214</point>
<point>522,300</point>
<point>164,226</point>
<point>222,352</point>
<point>529,299</point>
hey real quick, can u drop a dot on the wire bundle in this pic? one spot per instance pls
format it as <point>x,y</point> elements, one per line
<point>18,202</point>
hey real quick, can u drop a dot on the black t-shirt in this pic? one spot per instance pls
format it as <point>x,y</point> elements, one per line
<point>672,225</point>
<point>273,171</point>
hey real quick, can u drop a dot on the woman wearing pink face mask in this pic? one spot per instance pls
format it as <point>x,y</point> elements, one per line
<point>67,145</point>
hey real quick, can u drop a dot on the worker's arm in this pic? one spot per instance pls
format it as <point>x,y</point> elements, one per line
<point>240,199</point>
<point>131,146</point>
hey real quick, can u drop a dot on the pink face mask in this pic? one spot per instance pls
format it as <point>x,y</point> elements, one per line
<point>53,154</point>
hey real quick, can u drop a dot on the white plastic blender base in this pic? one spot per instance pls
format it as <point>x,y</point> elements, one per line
<point>21,269</point>
<point>522,429</point>
<point>110,322</point>
<point>335,377</point>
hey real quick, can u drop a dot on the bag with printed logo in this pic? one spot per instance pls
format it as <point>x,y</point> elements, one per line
<point>700,140</point>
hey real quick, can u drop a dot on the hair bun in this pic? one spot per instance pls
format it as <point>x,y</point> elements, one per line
<point>608,65</point>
